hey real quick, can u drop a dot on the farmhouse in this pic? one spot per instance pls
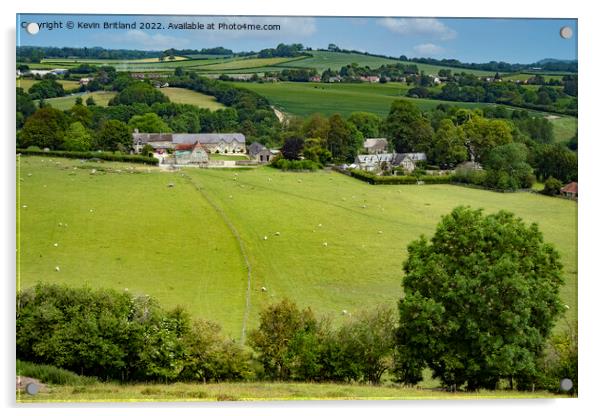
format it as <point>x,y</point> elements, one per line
<point>370,78</point>
<point>211,142</point>
<point>569,190</point>
<point>315,78</point>
<point>375,146</point>
<point>187,154</point>
<point>376,162</point>
<point>260,153</point>
<point>85,81</point>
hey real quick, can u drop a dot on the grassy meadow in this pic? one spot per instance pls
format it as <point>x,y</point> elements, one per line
<point>185,96</point>
<point>306,236</point>
<point>273,391</point>
<point>26,84</point>
<point>101,98</point>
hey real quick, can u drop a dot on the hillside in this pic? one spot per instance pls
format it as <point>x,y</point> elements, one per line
<point>124,230</point>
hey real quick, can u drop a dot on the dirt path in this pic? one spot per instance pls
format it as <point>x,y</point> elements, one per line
<point>241,248</point>
<point>280,115</point>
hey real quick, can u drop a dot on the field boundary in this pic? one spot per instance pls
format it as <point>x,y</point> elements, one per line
<point>241,247</point>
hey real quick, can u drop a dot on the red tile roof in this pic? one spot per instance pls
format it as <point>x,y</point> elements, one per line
<point>570,188</point>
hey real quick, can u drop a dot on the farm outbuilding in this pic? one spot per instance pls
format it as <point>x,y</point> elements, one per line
<point>569,190</point>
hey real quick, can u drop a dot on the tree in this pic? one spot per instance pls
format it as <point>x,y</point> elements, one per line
<point>367,343</point>
<point>47,88</point>
<point>179,72</point>
<point>408,129</point>
<point>292,148</point>
<point>149,123</point>
<point>368,124</point>
<point>507,167</point>
<point>25,107</point>
<point>44,128</point>
<point>480,300</point>
<point>90,101</point>
<point>82,114</point>
<point>284,340</point>
<point>552,186</point>
<point>483,134</point>
<point>139,92</point>
<point>557,161</point>
<point>343,139</point>
<point>77,138</point>
<point>114,134</point>
<point>448,148</point>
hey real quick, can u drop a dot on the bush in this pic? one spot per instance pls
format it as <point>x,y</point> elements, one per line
<point>112,157</point>
<point>118,336</point>
<point>399,180</point>
<point>51,374</point>
<point>552,186</point>
<point>297,165</point>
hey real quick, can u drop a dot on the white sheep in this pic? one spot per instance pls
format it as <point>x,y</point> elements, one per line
<point>24,206</point>
<point>57,268</point>
<point>277,232</point>
<point>56,244</point>
<point>265,237</point>
<point>264,289</point>
<point>325,244</point>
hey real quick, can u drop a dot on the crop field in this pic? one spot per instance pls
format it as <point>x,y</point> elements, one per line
<point>323,239</point>
<point>185,96</point>
<point>305,98</point>
<point>26,84</point>
<point>239,64</point>
<point>101,98</point>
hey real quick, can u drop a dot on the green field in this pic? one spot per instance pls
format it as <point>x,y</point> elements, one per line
<point>239,64</point>
<point>305,98</point>
<point>180,243</point>
<point>101,98</point>
<point>26,84</point>
<point>185,96</point>
<point>193,392</point>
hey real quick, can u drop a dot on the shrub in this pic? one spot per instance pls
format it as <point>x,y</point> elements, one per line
<point>399,180</point>
<point>552,186</point>
<point>51,374</point>
<point>296,165</point>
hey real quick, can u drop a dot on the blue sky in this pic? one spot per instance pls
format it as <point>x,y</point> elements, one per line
<point>469,40</point>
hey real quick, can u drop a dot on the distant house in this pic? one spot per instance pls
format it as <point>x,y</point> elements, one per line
<point>335,79</point>
<point>85,81</point>
<point>375,146</point>
<point>373,162</point>
<point>260,153</point>
<point>408,161</point>
<point>315,78</point>
<point>569,190</point>
<point>211,142</point>
<point>370,78</point>
<point>187,154</point>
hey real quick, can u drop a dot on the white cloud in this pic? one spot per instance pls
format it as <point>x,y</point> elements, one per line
<point>419,26</point>
<point>428,49</point>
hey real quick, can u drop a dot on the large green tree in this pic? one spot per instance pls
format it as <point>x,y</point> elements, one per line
<point>507,167</point>
<point>480,300</point>
<point>44,128</point>
<point>149,123</point>
<point>114,135</point>
<point>484,134</point>
<point>448,148</point>
<point>77,138</point>
<point>407,128</point>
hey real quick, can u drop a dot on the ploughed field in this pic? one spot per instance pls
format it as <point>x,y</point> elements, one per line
<point>188,238</point>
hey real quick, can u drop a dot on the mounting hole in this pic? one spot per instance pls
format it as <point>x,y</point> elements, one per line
<point>566,384</point>
<point>32,28</point>
<point>566,32</point>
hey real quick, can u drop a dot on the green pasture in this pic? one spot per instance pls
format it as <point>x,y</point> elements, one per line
<point>185,96</point>
<point>101,98</point>
<point>27,83</point>
<point>323,239</point>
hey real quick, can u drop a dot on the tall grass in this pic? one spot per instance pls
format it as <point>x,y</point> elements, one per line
<point>52,375</point>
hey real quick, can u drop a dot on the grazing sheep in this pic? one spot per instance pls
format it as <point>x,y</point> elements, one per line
<point>344,311</point>
<point>325,244</point>
<point>57,268</point>
<point>319,225</point>
<point>264,289</point>
<point>60,224</point>
<point>56,244</point>
<point>380,232</point>
<point>265,237</point>
<point>277,233</point>
<point>91,210</point>
<point>29,174</point>
<point>24,206</point>
<point>93,171</point>
<point>170,185</point>
<point>364,206</point>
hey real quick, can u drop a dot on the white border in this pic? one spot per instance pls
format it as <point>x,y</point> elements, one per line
<point>589,218</point>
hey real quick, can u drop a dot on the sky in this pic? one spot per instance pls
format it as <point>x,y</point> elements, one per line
<point>468,40</point>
